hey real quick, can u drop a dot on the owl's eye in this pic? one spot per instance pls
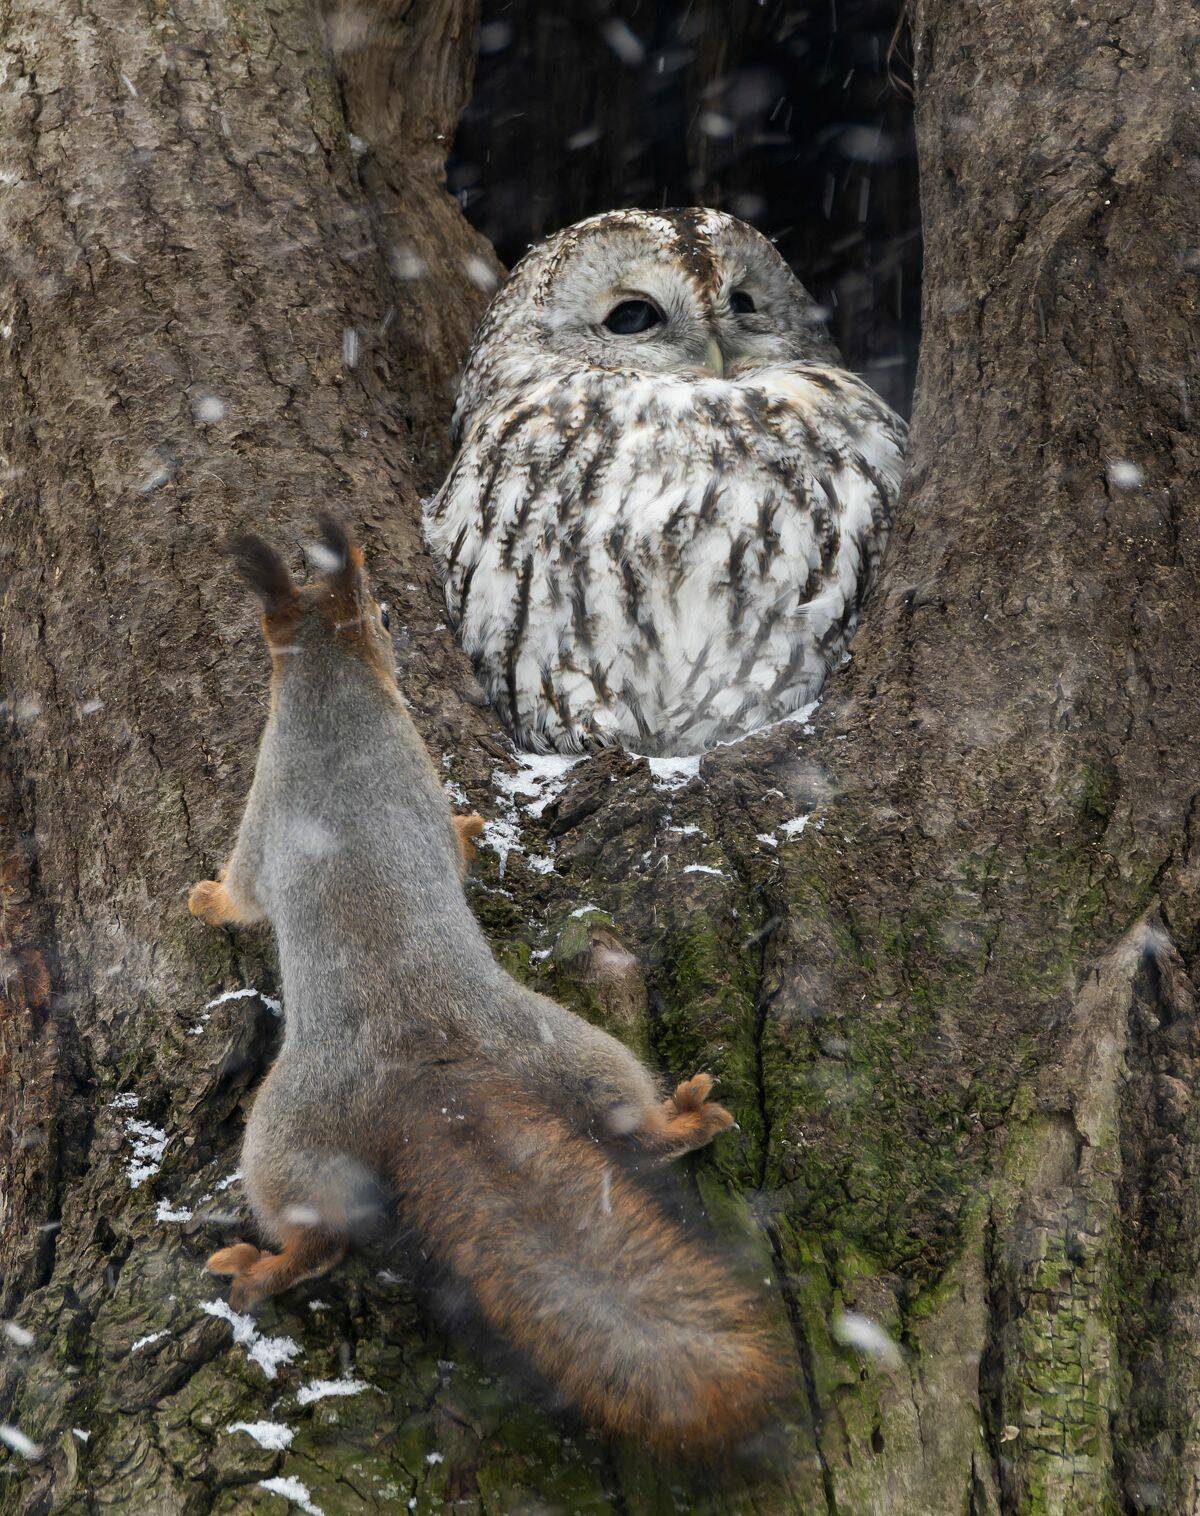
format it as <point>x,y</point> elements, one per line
<point>742,303</point>
<point>385,618</point>
<point>632,316</point>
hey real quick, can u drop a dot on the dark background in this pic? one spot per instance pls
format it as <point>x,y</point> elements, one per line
<point>796,117</point>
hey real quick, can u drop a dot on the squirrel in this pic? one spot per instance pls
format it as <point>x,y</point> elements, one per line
<point>411,1061</point>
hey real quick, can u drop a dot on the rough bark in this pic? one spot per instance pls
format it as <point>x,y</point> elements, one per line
<point>954,1011</point>
<point>405,75</point>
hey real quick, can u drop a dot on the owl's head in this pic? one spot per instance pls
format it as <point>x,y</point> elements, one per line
<point>690,292</point>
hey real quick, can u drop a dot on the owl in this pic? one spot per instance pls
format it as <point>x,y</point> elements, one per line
<point>669,497</point>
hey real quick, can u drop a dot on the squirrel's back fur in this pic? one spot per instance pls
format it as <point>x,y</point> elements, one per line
<point>502,1123</point>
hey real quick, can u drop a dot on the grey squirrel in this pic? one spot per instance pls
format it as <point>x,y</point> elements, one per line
<point>411,1060</point>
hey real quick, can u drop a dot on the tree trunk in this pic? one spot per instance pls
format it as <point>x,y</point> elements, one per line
<point>952,1007</point>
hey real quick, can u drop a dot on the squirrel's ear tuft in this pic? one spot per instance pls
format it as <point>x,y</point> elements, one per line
<point>335,552</point>
<point>263,570</point>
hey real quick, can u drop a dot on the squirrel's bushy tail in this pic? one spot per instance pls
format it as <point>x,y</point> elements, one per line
<point>640,1326</point>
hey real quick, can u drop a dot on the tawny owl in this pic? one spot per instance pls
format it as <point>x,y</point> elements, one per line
<point>669,498</point>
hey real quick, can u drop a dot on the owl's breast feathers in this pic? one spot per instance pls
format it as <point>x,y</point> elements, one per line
<point>656,561</point>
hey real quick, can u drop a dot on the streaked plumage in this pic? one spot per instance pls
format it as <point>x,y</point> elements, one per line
<point>638,548</point>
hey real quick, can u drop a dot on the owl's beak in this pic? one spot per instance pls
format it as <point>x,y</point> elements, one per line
<point>714,358</point>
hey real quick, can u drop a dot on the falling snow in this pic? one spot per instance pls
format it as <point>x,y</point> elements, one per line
<point>14,1438</point>
<point>867,1337</point>
<point>480,272</point>
<point>1124,475</point>
<point>624,42</point>
<point>210,409</point>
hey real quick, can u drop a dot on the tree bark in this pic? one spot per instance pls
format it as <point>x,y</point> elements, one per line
<point>953,1008</point>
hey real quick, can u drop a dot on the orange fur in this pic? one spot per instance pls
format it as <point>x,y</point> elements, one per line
<point>692,1366</point>
<point>468,828</point>
<point>212,902</point>
<point>209,902</point>
<point>685,1121</point>
<point>306,1254</point>
<point>278,625</point>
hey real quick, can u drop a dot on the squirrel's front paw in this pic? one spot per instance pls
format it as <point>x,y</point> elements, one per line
<point>467,828</point>
<point>209,902</point>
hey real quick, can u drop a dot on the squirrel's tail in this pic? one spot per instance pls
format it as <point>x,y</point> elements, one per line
<point>640,1326</point>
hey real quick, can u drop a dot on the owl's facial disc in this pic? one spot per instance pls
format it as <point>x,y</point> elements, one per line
<point>649,320</point>
<point>632,292</point>
<point>642,313</point>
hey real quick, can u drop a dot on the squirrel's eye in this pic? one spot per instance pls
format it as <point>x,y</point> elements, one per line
<point>742,303</point>
<point>385,618</point>
<point>632,316</point>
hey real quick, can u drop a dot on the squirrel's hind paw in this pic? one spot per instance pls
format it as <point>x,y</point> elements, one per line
<point>691,1094</point>
<point>305,1255</point>
<point>212,903</point>
<point>687,1119</point>
<point>234,1260</point>
<point>239,1263</point>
